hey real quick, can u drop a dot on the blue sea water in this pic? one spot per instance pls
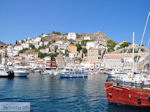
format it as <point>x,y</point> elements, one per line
<point>52,94</point>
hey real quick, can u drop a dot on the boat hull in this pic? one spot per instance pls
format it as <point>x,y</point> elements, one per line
<point>72,76</point>
<point>21,74</point>
<point>138,97</point>
<point>4,74</point>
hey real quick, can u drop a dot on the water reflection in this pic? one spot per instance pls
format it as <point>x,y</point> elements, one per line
<point>52,94</point>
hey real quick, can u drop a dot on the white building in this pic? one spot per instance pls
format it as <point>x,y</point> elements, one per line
<point>72,55</point>
<point>46,43</point>
<point>38,44</point>
<point>46,50</point>
<point>44,35</point>
<point>47,58</point>
<point>38,39</point>
<point>71,35</point>
<point>87,38</point>
<point>18,47</point>
<point>25,45</point>
<point>13,51</point>
<point>85,66</point>
<point>90,45</point>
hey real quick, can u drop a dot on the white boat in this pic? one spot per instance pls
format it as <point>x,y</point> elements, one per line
<point>130,77</point>
<point>5,73</point>
<point>19,72</point>
<point>47,71</point>
<point>56,72</point>
<point>74,74</point>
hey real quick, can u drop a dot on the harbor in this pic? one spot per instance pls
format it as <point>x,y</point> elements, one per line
<point>74,56</point>
<point>52,94</point>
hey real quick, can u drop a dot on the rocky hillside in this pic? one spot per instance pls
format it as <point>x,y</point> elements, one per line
<point>97,36</point>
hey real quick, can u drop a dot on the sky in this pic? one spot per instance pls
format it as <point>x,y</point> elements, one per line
<point>20,19</point>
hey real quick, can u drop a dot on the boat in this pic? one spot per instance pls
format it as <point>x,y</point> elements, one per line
<point>74,74</point>
<point>130,88</point>
<point>137,96</point>
<point>6,73</point>
<point>46,71</point>
<point>19,72</point>
<point>56,72</point>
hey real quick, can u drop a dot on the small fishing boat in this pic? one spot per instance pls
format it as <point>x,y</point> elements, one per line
<point>5,73</point>
<point>19,72</point>
<point>74,74</point>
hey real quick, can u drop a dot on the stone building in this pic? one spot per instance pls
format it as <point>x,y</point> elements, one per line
<point>95,55</point>
<point>60,62</point>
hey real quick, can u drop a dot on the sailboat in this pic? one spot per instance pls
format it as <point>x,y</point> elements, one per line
<point>130,89</point>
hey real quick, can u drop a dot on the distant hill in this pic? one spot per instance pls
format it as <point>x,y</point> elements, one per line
<point>97,36</point>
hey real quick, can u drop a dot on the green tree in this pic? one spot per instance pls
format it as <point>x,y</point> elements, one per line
<point>42,55</point>
<point>84,50</point>
<point>79,59</point>
<point>58,33</point>
<point>53,32</point>
<point>23,50</point>
<point>111,44</point>
<point>84,42</point>
<point>136,58</point>
<point>79,47</point>
<point>32,47</point>
<point>65,33</point>
<point>53,41</point>
<point>124,44</point>
<point>143,50</point>
<point>53,55</point>
<point>66,53</point>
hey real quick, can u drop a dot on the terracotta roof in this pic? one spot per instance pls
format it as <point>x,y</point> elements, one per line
<point>113,57</point>
<point>117,56</point>
<point>42,63</point>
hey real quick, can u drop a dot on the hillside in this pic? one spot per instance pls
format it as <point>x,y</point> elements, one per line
<point>97,36</point>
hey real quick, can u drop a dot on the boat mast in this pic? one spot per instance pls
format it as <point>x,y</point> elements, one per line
<point>143,36</point>
<point>133,53</point>
<point>148,43</point>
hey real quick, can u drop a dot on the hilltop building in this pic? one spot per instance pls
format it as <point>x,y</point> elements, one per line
<point>87,38</point>
<point>72,36</point>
